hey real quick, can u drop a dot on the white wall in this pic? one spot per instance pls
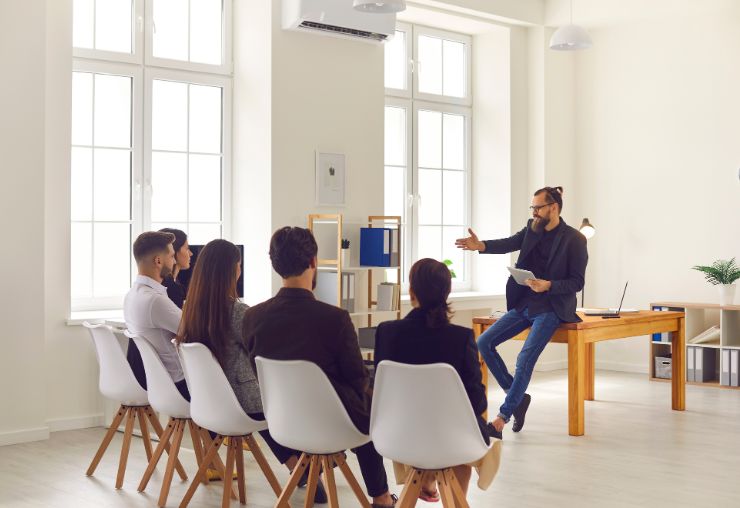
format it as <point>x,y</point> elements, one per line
<point>252,144</point>
<point>22,100</point>
<point>73,400</point>
<point>327,95</point>
<point>656,129</point>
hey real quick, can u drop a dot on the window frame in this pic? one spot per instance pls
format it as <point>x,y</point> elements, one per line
<point>142,69</point>
<point>463,283</point>
<point>407,92</point>
<point>467,100</point>
<point>413,101</point>
<point>151,74</point>
<point>137,40</point>
<point>226,67</point>
<point>409,195</point>
<point>135,72</point>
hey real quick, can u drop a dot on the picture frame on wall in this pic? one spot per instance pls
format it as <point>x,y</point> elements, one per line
<point>331,179</point>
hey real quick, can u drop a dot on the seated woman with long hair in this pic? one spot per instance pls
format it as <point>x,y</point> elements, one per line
<point>426,336</point>
<point>213,316</point>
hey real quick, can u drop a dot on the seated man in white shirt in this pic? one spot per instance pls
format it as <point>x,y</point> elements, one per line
<point>148,311</point>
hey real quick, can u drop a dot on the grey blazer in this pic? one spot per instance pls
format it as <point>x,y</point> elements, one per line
<point>237,367</point>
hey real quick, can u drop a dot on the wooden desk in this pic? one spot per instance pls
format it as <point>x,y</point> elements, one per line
<point>582,338</point>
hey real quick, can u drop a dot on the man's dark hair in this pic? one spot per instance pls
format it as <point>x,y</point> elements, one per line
<point>554,195</point>
<point>151,242</point>
<point>291,251</point>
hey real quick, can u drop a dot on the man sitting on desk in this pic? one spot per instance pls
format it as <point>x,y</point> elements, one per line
<point>148,311</point>
<point>556,254</point>
<point>293,325</point>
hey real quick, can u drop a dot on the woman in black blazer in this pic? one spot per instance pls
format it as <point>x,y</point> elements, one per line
<point>426,336</point>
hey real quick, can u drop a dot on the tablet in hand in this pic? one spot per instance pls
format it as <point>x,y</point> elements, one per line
<point>520,275</point>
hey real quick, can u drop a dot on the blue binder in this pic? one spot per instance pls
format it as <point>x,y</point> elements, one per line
<point>375,247</point>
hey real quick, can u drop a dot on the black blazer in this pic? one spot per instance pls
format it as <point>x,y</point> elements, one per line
<point>411,341</point>
<point>566,267</point>
<point>293,325</point>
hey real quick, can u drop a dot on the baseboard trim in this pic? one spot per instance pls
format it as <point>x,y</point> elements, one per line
<point>24,436</point>
<point>74,423</point>
<point>633,368</point>
<point>549,366</point>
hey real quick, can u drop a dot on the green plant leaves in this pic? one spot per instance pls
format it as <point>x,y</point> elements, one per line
<point>720,272</point>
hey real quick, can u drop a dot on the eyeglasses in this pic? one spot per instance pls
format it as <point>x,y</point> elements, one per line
<point>540,207</point>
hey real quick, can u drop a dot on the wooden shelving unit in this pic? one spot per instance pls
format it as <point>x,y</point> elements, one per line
<point>699,317</point>
<point>334,263</point>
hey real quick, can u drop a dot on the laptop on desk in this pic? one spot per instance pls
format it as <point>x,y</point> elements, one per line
<point>608,313</point>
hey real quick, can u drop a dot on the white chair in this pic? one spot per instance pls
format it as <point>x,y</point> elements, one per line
<point>165,398</point>
<point>117,382</point>
<point>406,428</point>
<point>214,406</point>
<point>305,413</point>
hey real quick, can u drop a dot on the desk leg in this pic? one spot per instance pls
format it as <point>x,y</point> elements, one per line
<point>590,350</point>
<point>678,374</point>
<point>576,383</point>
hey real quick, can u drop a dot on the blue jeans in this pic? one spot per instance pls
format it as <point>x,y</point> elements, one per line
<point>510,325</point>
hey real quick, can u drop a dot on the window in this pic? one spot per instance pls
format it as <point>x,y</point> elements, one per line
<point>151,92</point>
<point>427,142</point>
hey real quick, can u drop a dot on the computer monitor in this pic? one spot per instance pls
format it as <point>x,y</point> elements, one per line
<point>184,276</point>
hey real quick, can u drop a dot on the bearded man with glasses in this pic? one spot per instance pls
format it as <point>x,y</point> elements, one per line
<point>556,254</point>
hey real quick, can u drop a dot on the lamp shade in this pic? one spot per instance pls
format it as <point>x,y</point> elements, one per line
<point>587,229</point>
<point>568,38</point>
<point>379,6</point>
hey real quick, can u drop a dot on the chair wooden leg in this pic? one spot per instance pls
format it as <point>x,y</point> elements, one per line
<point>228,474</point>
<point>163,441</point>
<point>130,417</point>
<point>239,451</point>
<point>284,498</point>
<point>460,499</point>
<point>197,445</point>
<point>331,485</point>
<point>217,463</point>
<point>170,470</point>
<point>352,481</point>
<point>313,480</point>
<point>410,493</point>
<point>254,447</point>
<point>212,453</point>
<point>106,440</point>
<point>445,490</point>
<point>158,429</point>
<point>144,428</point>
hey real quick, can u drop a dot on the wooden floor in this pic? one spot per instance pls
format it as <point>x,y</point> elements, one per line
<point>636,452</point>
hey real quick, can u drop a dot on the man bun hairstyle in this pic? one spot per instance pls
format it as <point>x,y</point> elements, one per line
<point>291,251</point>
<point>431,283</point>
<point>554,195</point>
<point>151,242</point>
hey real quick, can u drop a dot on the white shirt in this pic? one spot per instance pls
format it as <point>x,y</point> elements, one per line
<point>150,314</point>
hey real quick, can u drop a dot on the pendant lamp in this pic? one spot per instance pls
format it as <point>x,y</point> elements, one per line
<point>568,37</point>
<point>379,6</point>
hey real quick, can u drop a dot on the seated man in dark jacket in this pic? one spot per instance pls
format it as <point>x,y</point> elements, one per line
<point>557,256</point>
<point>426,336</point>
<point>293,325</point>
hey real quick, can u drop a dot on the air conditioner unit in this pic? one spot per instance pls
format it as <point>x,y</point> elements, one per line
<point>337,18</point>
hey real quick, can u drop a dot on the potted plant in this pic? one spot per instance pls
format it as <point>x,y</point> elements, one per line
<point>448,262</point>
<point>722,273</point>
<point>345,252</point>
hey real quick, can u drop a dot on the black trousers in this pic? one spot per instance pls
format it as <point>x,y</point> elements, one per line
<point>372,469</point>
